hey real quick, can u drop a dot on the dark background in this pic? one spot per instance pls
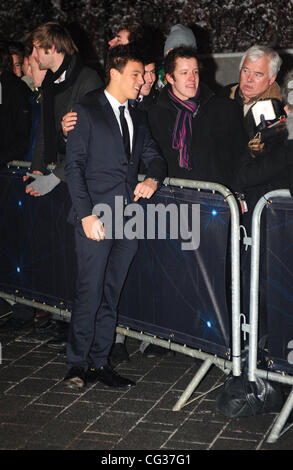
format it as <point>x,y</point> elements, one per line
<point>219,26</point>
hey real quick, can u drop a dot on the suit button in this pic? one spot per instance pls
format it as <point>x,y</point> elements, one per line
<point>131,162</point>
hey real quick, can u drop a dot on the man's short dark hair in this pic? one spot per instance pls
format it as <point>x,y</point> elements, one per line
<point>16,48</point>
<point>178,53</point>
<point>118,57</point>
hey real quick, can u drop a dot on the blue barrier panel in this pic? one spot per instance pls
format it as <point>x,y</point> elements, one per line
<point>37,251</point>
<point>174,294</point>
<point>181,295</point>
<point>279,258</point>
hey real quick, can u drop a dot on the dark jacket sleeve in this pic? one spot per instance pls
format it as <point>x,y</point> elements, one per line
<point>264,168</point>
<point>76,161</point>
<point>38,163</point>
<point>88,81</point>
<point>152,158</point>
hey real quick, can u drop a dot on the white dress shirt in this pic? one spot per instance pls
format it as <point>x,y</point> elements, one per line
<point>115,106</point>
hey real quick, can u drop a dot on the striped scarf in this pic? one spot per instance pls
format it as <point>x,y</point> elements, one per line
<point>182,133</point>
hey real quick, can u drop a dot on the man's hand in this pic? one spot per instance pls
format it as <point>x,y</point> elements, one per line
<point>35,172</point>
<point>42,184</point>
<point>145,189</point>
<point>68,122</point>
<point>93,228</point>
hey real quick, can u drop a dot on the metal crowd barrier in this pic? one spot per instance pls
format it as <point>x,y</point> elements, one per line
<point>226,365</point>
<point>253,370</point>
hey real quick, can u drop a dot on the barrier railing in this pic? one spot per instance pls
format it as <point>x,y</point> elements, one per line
<point>253,370</point>
<point>226,365</point>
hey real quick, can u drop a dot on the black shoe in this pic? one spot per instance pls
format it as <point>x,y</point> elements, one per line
<point>119,354</point>
<point>75,378</point>
<point>152,350</point>
<point>109,377</point>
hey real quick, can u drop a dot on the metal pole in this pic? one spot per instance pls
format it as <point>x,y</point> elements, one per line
<point>193,384</point>
<point>254,279</point>
<point>281,420</point>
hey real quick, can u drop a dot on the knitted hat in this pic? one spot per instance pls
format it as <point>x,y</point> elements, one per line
<point>179,36</point>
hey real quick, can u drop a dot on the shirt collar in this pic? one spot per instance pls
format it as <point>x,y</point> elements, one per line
<point>114,102</point>
<point>61,78</point>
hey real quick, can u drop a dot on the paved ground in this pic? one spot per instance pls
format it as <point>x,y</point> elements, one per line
<point>38,413</point>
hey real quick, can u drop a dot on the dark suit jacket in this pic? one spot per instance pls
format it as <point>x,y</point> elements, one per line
<point>97,168</point>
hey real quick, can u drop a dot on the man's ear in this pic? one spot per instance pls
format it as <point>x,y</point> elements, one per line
<point>114,74</point>
<point>272,79</point>
<point>52,49</point>
<point>169,79</point>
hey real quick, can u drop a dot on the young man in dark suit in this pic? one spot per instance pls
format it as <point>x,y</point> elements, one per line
<point>102,165</point>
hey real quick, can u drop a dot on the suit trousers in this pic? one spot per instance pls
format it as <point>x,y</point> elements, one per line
<point>102,268</point>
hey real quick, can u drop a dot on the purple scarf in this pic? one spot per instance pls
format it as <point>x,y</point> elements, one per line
<point>182,133</point>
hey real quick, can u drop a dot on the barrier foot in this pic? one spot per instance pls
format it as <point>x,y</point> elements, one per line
<point>281,420</point>
<point>193,384</point>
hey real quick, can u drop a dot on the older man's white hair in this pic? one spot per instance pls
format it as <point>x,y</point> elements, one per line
<point>257,52</point>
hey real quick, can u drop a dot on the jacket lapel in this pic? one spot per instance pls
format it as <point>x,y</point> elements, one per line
<point>135,123</point>
<point>111,121</point>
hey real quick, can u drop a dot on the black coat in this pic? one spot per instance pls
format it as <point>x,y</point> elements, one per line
<point>218,137</point>
<point>79,81</point>
<point>15,118</point>
<point>270,170</point>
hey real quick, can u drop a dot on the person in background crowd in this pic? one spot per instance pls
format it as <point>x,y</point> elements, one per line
<point>16,51</point>
<point>15,126</point>
<point>200,134</point>
<point>33,77</point>
<point>15,114</point>
<point>148,93</point>
<point>266,167</point>
<point>259,68</point>
<point>67,81</point>
<point>126,35</point>
<point>179,35</point>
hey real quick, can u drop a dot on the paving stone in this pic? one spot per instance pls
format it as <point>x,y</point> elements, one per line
<point>104,396</point>
<point>81,444</point>
<point>35,360</point>
<point>59,433</point>
<point>82,412</point>
<point>131,405</point>
<point>15,436</point>
<point>55,399</point>
<point>10,405</point>
<point>31,387</point>
<point>173,419</point>
<point>51,371</point>
<point>234,444</point>
<point>198,431</point>
<point>15,373</point>
<point>163,374</point>
<point>180,445</point>
<point>33,416</point>
<point>141,439</point>
<point>247,426</point>
<point>114,422</point>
